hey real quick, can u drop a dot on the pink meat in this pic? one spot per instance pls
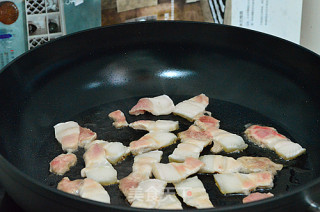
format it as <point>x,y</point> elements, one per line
<point>128,184</point>
<point>195,133</point>
<point>86,136</point>
<point>257,196</point>
<point>141,107</point>
<point>207,122</point>
<point>68,186</point>
<point>118,118</point>
<point>203,99</point>
<point>62,163</point>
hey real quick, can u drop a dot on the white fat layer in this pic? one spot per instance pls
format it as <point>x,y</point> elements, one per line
<point>193,193</point>
<point>149,193</point>
<point>159,125</point>
<point>143,163</point>
<point>289,150</point>
<point>161,105</point>
<point>170,201</point>
<point>104,175</point>
<point>185,150</point>
<point>115,151</point>
<point>243,183</point>
<point>93,191</point>
<point>189,109</point>
<point>219,164</point>
<point>228,141</point>
<point>66,128</point>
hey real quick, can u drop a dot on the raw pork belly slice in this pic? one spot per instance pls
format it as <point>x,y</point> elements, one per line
<point>183,151</point>
<point>149,193</point>
<point>68,186</point>
<point>62,163</point>
<point>67,134</point>
<point>222,164</point>
<point>86,136</point>
<point>219,164</point>
<point>85,188</point>
<point>115,152</point>
<point>256,197</point>
<point>142,170</point>
<point>207,122</point>
<point>243,183</point>
<point>170,201</point>
<point>152,141</point>
<point>258,164</point>
<point>268,137</point>
<point>193,193</point>
<point>192,108</point>
<point>118,118</point>
<point>193,141</point>
<point>160,105</point>
<point>98,167</point>
<point>143,163</point>
<point>175,172</point>
<point>92,190</point>
<point>226,141</point>
<point>128,184</point>
<point>159,125</point>
<point>195,135</point>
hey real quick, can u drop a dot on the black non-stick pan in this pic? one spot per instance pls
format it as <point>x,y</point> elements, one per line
<point>250,77</point>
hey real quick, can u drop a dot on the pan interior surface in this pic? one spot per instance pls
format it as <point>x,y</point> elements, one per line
<point>249,77</point>
<point>233,119</point>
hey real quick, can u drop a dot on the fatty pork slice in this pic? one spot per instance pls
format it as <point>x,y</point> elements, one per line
<point>92,190</point>
<point>207,122</point>
<point>98,167</point>
<point>118,118</point>
<point>258,164</point>
<point>128,184</point>
<point>193,193</point>
<point>229,183</point>
<point>160,105</point>
<point>183,151</point>
<point>219,164</point>
<point>256,197</point>
<point>195,136</point>
<point>159,125</point>
<point>85,188</point>
<point>175,172</point>
<point>268,137</point>
<point>171,202</point>
<point>152,141</point>
<point>62,163</point>
<point>67,134</point>
<point>68,186</point>
<point>86,136</point>
<point>226,141</point>
<point>143,163</point>
<point>149,193</point>
<point>192,108</point>
<point>222,164</point>
<point>193,141</point>
<point>115,151</point>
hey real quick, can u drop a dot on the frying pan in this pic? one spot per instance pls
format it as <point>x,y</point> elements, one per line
<point>250,77</point>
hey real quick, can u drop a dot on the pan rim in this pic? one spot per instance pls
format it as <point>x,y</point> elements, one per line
<point>30,179</point>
